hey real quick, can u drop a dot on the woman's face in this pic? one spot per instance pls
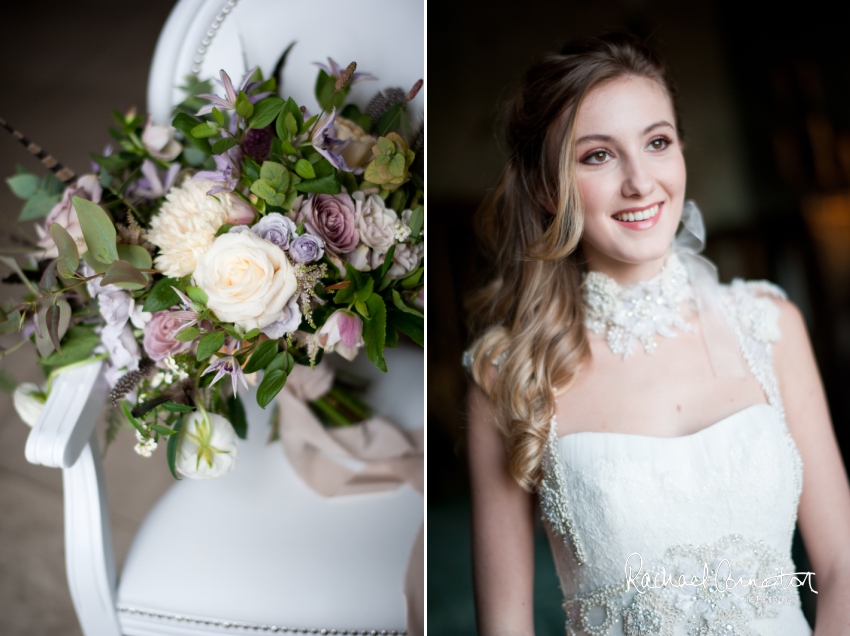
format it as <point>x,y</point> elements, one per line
<point>631,177</point>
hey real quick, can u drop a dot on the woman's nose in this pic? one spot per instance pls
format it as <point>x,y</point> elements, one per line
<point>637,179</point>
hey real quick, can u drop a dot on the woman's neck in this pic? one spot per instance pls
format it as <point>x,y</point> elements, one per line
<point>623,273</point>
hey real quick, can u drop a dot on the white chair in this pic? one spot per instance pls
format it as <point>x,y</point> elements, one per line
<point>256,550</point>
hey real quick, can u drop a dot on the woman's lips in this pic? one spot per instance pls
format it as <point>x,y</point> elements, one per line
<point>643,224</point>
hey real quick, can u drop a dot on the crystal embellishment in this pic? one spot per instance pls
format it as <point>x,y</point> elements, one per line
<point>640,311</point>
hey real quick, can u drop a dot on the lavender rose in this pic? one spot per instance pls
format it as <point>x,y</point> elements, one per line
<point>306,249</point>
<point>159,338</point>
<point>333,218</point>
<point>276,228</point>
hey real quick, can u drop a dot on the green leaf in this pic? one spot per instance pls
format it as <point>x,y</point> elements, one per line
<point>207,129</point>
<point>43,342</point>
<point>291,124</point>
<point>237,416</point>
<point>270,386</point>
<point>124,274</point>
<point>97,266</point>
<point>78,346</point>
<point>265,112</point>
<point>280,127</point>
<point>375,331</point>
<point>187,335</point>
<point>280,361</point>
<point>209,344</point>
<point>23,186</point>
<point>322,185</point>
<point>401,306</point>
<point>324,168</point>
<point>412,280</point>
<point>363,293</point>
<point>252,334</point>
<point>98,230</point>
<point>244,107</point>
<point>276,174</point>
<point>176,408</point>
<point>388,262</point>
<point>39,206</point>
<point>132,419</point>
<point>224,229</point>
<point>304,169</point>
<point>361,308</point>
<point>223,145</point>
<point>69,257</point>
<point>262,355</point>
<point>163,430</point>
<point>171,449</point>
<point>417,218</point>
<point>292,108</point>
<point>413,326</point>
<point>216,113</point>
<point>197,294</point>
<point>112,163</point>
<point>185,122</point>
<point>306,125</point>
<point>136,255</point>
<point>162,296</point>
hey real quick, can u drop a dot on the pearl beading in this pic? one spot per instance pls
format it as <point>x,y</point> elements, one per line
<point>180,618</point>
<point>209,35</point>
<point>707,611</point>
<point>640,311</point>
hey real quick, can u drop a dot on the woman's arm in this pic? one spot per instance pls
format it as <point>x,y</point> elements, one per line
<point>502,530</point>
<point>824,512</point>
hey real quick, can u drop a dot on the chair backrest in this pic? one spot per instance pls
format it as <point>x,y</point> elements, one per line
<point>204,36</point>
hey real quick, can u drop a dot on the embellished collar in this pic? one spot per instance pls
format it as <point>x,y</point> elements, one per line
<point>638,312</point>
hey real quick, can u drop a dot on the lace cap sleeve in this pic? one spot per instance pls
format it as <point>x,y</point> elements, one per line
<point>755,309</point>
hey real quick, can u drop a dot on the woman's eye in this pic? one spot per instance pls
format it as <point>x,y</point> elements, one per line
<point>659,144</point>
<point>596,157</point>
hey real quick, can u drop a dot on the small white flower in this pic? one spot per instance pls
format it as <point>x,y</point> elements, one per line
<point>146,445</point>
<point>400,231</point>
<point>207,446</point>
<point>29,401</point>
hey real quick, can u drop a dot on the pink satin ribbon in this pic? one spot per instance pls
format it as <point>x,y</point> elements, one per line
<point>392,457</point>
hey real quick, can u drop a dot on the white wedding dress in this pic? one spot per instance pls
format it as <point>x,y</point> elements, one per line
<point>729,491</point>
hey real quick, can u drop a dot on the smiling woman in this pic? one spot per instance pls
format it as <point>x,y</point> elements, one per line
<point>631,453</point>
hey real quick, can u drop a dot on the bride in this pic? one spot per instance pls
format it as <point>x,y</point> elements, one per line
<point>673,430</point>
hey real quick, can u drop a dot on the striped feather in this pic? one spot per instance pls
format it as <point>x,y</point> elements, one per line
<point>65,175</point>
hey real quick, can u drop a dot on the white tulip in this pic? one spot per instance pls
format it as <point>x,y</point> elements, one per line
<point>29,401</point>
<point>207,446</point>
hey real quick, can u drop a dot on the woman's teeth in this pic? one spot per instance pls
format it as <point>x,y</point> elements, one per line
<point>638,216</point>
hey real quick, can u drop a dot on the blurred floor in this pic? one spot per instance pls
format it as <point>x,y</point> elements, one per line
<point>63,68</point>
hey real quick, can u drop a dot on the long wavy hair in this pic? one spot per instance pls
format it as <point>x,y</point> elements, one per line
<point>529,318</point>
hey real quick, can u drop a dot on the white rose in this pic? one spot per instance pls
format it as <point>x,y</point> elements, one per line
<point>29,402</point>
<point>374,221</point>
<point>206,448</point>
<point>248,279</point>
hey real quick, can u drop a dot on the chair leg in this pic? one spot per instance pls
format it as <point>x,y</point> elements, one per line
<point>89,558</point>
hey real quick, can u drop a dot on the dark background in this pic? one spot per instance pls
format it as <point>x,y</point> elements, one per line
<point>766,100</point>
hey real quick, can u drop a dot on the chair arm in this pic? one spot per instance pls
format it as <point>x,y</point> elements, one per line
<point>65,425</point>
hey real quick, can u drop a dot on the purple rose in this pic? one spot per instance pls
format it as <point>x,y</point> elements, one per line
<point>332,218</point>
<point>159,338</point>
<point>288,321</point>
<point>276,228</point>
<point>306,249</point>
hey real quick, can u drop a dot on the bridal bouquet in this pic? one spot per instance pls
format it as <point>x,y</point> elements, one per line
<point>250,236</point>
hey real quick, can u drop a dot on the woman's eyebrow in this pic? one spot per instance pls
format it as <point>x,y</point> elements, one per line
<point>608,138</point>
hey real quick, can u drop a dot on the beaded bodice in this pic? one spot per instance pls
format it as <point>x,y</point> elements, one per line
<point>680,506</point>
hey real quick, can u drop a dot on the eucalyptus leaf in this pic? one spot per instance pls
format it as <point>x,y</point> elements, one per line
<point>98,230</point>
<point>12,264</point>
<point>43,341</point>
<point>23,186</point>
<point>58,318</point>
<point>39,205</point>
<point>124,274</point>
<point>135,254</point>
<point>69,257</point>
